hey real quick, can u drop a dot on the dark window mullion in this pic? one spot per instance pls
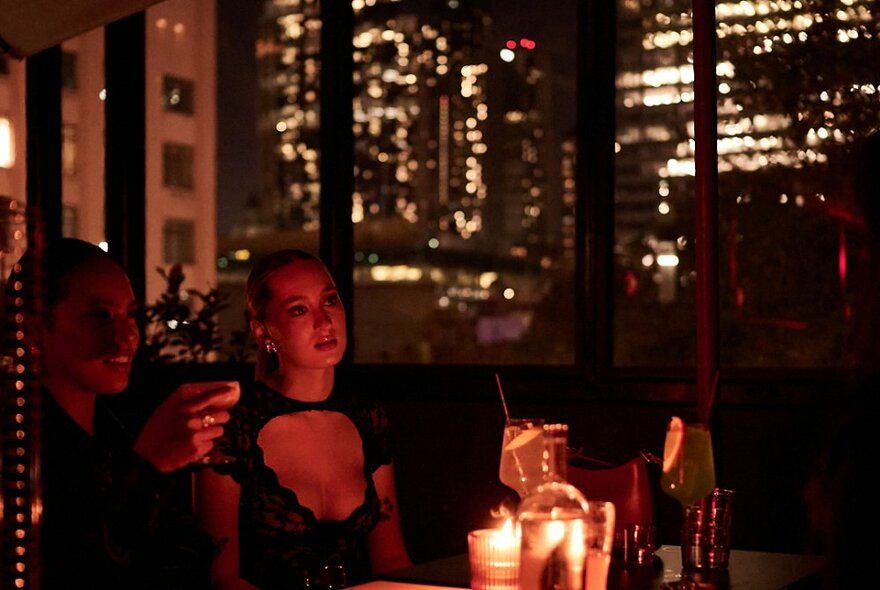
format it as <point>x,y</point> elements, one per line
<point>43,123</point>
<point>706,159</point>
<point>125,152</point>
<point>595,170</point>
<point>337,149</point>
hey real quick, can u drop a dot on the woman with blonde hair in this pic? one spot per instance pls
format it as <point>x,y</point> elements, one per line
<point>309,500</point>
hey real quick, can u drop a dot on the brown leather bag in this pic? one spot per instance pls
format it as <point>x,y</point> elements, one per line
<point>627,485</point>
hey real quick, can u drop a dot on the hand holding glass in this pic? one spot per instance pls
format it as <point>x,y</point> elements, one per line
<point>213,397</point>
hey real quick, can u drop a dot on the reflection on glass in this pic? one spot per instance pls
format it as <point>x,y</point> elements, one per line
<point>464,182</point>
<point>788,116</point>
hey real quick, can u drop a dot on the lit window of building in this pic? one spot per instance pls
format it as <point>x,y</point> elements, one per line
<point>70,221</point>
<point>68,149</point>
<point>178,95</point>
<point>7,143</point>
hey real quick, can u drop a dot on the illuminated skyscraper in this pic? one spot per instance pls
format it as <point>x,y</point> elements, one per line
<point>420,115</point>
<point>288,65</point>
<point>520,150</point>
<point>428,147</point>
<point>785,106</point>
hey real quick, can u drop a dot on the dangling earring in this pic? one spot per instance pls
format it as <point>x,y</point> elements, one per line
<point>270,347</point>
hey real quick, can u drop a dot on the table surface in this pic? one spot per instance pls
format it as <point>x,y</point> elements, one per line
<point>748,570</point>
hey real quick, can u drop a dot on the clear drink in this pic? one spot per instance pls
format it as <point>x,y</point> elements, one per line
<point>521,451</point>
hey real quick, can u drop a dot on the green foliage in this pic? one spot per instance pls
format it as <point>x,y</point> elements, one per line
<point>182,325</point>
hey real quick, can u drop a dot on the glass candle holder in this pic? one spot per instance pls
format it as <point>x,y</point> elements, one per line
<point>494,558</point>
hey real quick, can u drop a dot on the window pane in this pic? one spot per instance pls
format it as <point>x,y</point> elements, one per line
<point>653,302</point>
<point>797,91</point>
<point>463,123</point>
<point>789,120</point>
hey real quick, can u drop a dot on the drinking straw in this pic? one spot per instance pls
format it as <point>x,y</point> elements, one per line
<point>503,401</point>
<point>706,411</point>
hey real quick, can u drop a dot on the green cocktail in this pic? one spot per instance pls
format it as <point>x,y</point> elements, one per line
<point>688,464</point>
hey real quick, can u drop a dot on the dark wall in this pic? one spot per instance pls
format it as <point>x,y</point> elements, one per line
<point>447,461</point>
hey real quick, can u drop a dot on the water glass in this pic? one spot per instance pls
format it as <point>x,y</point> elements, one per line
<point>600,538</point>
<point>634,544</point>
<point>705,542</point>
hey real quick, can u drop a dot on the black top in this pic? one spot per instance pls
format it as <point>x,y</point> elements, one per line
<point>110,519</point>
<point>282,544</point>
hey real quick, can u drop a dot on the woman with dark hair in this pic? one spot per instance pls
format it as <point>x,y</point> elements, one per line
<point>113,512</point>
<point>309,501</point>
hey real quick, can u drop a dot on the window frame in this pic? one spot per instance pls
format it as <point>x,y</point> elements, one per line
<point>593,374</point>
<point>591,377</point>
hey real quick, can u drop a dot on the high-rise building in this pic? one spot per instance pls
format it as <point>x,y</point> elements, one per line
<point>288,64</point>
<point>520,154</point>
<point>786,107</point>
<point>180,139</point>
<point>428,148</point>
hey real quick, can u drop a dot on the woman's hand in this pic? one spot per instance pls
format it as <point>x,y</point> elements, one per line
<point>184,426</point>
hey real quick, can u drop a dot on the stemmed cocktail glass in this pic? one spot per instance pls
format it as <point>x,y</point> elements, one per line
<point>521,451</point>
<point>688,464</point>
<point>688,472</point>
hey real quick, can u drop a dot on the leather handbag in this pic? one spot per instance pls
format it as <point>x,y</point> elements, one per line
<point>627,485</point>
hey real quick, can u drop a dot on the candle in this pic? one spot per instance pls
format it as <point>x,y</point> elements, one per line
<point>494,558</point>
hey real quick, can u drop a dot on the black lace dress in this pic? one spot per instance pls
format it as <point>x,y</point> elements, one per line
<point>282,544</point>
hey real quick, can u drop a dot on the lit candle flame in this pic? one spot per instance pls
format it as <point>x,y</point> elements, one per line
<point>504,537</point>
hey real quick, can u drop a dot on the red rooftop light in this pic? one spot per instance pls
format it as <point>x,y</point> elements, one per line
<point>511,44</point>
<point>527,43</point>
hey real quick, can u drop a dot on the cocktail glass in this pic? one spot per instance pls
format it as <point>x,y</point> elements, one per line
<point>521,450</point>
